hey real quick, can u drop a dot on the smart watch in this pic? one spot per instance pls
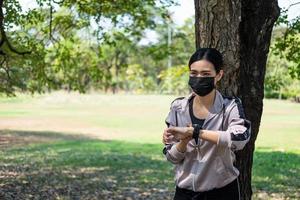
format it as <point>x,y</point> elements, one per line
<point>196,132</point>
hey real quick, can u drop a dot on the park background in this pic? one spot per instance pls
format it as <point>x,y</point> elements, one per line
<point>91,127</point>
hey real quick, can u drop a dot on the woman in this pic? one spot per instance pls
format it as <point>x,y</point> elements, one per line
<point>204,130</point>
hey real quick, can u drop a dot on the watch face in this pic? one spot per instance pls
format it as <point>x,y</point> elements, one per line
<point>196,125</point>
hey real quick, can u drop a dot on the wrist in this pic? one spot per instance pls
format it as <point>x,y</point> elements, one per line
<point>190,131</point>
<point>184,141</point>
<point>200,133</point>
<point>181,146</point>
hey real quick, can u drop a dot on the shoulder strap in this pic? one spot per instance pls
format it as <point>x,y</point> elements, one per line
<point>176,117</point>
<point>178,98</point>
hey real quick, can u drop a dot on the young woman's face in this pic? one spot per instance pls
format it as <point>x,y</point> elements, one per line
<point>204,68</point>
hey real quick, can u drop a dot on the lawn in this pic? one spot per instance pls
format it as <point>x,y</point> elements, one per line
<point>95,146</point>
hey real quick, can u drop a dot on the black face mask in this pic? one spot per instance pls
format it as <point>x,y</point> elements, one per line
<point>202,85</point>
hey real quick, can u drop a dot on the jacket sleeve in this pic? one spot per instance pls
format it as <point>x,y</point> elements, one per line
<point>170,151</point>
<point>239,128</point>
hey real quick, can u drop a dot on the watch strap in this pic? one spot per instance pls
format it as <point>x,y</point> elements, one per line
<point>196,132</point>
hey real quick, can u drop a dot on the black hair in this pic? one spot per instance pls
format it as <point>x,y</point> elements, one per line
<point>210,54</point>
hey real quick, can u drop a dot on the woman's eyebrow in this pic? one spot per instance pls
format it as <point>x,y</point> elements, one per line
<point>201,71</point>
<point>205,71</point>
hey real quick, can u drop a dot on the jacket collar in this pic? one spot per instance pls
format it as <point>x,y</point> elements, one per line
<point>215,108</point>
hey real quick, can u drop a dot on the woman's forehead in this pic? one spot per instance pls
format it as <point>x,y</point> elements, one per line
<point>202,65</point>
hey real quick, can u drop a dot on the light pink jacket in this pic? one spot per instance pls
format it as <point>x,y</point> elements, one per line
<point>206,166</point>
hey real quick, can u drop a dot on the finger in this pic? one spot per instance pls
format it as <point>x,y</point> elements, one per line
<point>168,141</point>
<point>171,130</point>
<point>166,134</point>
<point>168,130</point>
<point>168,137</point>
<point>165,142</point>
<point>165,138</point>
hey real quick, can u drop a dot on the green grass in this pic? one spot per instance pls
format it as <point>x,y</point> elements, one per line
<point>277,172</point>
<point>124,117</point>
<point>280,126</point>
<point>116,166</point>
<point>132,164</point>
<point>92,165</point>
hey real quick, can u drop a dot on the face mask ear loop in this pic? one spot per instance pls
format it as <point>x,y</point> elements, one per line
<point>223,117</point>
<point>176,118</point>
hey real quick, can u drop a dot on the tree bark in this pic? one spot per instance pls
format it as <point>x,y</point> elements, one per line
<point>241,30</point>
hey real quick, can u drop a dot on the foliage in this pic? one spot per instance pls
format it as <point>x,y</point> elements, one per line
<point>278,81</point>
<point>73,46</point>
<point>30,41</point>
<point>73,64</point>
<point>174,80</point>
<point>288,44</point>
<point>135,79</point>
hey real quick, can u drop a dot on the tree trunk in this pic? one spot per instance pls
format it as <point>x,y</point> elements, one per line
<point>241,30</point>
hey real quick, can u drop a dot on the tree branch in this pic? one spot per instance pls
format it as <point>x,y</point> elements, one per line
<point>50,23</point>
<point>2,62</point>
<point>58,2</point>
<point>4,38</point>
<point>13,49</point>
<point>293,4</point>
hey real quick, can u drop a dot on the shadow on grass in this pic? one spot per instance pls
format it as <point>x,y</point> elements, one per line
<point>84,169</point>
<point>27,137</point>
<point>276,173</point>
<point>76,167</point>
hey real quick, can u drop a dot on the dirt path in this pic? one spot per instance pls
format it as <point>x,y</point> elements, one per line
<point>49,125</point>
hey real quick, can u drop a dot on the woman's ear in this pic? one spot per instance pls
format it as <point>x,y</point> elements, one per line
<point>220,75</point>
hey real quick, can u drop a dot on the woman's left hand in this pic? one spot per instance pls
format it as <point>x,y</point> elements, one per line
<point>181,133</point>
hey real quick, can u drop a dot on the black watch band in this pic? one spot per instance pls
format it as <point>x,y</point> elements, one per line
<point>196,132</point>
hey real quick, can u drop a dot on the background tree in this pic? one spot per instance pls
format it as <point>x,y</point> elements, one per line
<point>29,38</point>
<point>287,45</point>
<point>279,81</point>
<point>241,29</point>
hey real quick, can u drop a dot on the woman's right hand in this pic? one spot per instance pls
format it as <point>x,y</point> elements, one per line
<point>167,137</point>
